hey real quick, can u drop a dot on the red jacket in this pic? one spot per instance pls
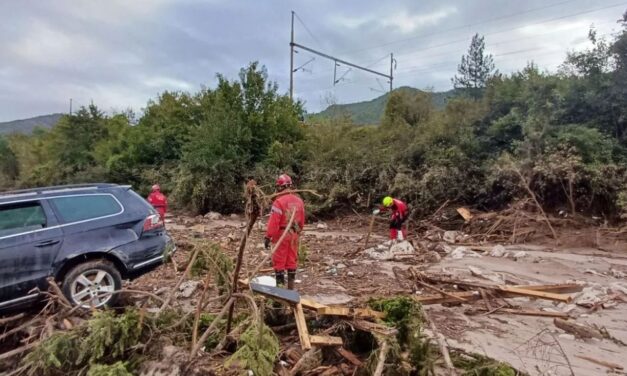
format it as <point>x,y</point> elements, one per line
<point>159,202</point>
<point>398,208</point>
<point>281,212</point>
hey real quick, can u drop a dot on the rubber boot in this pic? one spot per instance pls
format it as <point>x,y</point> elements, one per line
<point>279,275</point>
<point>291,279</point>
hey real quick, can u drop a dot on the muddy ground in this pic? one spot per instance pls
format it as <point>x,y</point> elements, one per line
<point>333,274</point>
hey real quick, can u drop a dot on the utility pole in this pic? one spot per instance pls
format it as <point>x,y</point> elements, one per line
<point>391,70</point>
<point>292,60</point>
<point>70,106</point>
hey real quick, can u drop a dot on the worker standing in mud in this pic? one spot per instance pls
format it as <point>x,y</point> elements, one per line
<point>158,201</point>
<point>285,257</point>
<point>399,215</point>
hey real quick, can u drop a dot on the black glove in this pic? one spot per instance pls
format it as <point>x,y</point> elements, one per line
<point>266,243</point>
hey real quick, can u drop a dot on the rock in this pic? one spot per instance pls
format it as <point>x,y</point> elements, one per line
<point>340,266</point>
<point>450,236</point>
<point>350,274</point>
<point>322,226</point>
<point>461,252</point>
<point>497,251</point>
<point>332,271</point>
<point>187,288</point>
<point>619,287</point>
<point>383,252</point>
<point>402,247</point>
<point>590,295</point>
<point>234,216</point>
<point>617,273</point>
<point>213,216</point>
<point>519,255</point>
<point>231,236</point>
<point>433,256</point>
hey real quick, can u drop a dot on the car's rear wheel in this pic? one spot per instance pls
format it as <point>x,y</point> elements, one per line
<point>91,284</point>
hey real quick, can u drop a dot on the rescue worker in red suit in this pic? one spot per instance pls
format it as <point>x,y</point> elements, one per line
<point>158,201</point>
<point>397,219</point>
<point>286,255</point>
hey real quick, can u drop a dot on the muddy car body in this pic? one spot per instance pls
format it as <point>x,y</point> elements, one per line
<point>88,238</point>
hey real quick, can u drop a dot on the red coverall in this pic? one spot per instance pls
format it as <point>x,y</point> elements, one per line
<point>399,215</point>
<point>159,202</point>
<point>286,255</point>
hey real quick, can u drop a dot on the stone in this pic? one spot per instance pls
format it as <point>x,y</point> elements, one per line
<point>187,288</point>
<point>619,287</point>
<point>519,255</point>
<point>433,256</point>
<point>213,216</point>
<point>461,252</point>
<point>350,274</point>
<point>497,251</point>
<point>383,252</point>
<point>322,226</point>
<point>340,266</point>
<point>450,236</point>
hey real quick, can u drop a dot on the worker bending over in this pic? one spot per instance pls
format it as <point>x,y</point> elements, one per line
<point>285,256</point>
<point>398,217</point>
<point>158,201</point>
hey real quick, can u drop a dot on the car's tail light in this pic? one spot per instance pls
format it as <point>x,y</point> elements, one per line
<point>152,222</point>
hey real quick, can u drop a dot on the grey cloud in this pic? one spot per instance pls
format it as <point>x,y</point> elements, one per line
<point>122,53</point>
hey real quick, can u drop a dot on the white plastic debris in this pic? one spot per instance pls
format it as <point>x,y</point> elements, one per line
<point>322,226</point>
<point>265,280</point>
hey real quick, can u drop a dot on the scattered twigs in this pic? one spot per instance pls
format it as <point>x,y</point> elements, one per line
<point>21,327</point>
<point>56,291</point>
<point>18,351</point>
<point>9,319</point>
<point>253,210</point>
<point>167,301</point>
<point>535,200</point>
<point>444,293</point>
<point>610,365</point>
<point>203,295</point>
<point>211,328</point>
<point>442,344</point>
<point>383,353</point>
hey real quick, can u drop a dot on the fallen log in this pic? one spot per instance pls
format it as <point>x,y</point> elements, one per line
<point>526,312</point>
<point>348,355</point>
<point>578,330</point>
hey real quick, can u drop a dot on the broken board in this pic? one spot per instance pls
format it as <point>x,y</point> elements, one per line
<point>289,296</point>
<point>351,312</point>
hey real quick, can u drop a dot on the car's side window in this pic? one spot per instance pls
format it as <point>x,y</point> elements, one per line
<point>80,208</point>
<point>21,217</point>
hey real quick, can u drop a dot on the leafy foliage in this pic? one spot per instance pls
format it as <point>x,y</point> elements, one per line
<point>476,67</point>
<point>258,350</point>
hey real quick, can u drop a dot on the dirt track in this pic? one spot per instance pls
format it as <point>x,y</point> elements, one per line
<point>531,344</point>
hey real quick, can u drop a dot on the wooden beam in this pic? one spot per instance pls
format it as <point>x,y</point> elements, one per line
<point>310,304</point>
<point>475,295</point>
<point>325,340</point>
<point>528,312</point>
<point>301,325</point>
<point>351,312</point>
<point>348,355</point>
<point>536,294</point>
<point>600,362</point>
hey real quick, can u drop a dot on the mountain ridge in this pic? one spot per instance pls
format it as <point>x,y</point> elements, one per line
<point>27,126</point>
<point>371,111</point>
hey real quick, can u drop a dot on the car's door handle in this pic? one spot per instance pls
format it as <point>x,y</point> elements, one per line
<point>47,243</point>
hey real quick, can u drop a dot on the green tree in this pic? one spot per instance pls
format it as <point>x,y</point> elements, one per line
<point>475,69</point>
<point>9,167</point>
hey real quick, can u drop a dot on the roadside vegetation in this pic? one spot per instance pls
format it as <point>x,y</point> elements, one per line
<point>561,134</point>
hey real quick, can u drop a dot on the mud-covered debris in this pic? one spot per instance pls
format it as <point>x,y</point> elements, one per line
<point>187,288</point>
<point>519,255</point>
<point>461,252</point>
<point>451,236</point>
<point>322,226</point>
<point>213,216</point>
<point>498,251</point>
<point>385,252</point>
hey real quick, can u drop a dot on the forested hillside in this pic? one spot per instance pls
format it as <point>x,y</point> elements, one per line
<point>27,126</point>
<point>561,134</point>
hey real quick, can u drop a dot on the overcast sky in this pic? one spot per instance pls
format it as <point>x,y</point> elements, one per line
<point>121,53</point>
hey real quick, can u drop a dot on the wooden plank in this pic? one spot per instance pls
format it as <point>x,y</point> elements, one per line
<point>372,327</point>
<point>528,312</point>
<point>475,295</point>
<point>351,312</point>
<point>465,213</point>
<point>576,329</point>
<point>301,325</point>
<point>310,304</point>
<point>325,340</point>
<point>536,294</point>
<point>348,355</point>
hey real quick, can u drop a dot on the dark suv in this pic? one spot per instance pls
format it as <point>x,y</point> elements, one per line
<point>87,237</point>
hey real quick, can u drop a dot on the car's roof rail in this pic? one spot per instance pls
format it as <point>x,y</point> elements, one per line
<point>56,188</point>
